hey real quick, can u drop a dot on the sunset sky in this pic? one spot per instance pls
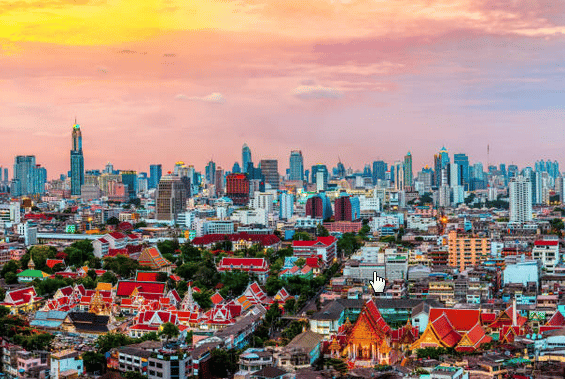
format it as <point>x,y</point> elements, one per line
<point>160,81</point>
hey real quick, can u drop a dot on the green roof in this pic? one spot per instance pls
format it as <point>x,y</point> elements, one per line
<point>33,273</point>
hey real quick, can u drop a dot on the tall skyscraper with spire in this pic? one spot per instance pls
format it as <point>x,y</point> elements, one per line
<point>245,157</point>
<point>77,161</point>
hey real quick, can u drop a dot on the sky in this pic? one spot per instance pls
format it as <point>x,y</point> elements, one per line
<point>161,81</point>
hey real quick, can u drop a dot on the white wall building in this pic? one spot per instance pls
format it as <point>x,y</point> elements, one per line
<point>520,199</point>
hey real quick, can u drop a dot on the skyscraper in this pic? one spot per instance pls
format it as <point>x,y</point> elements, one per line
<point>77,161</point>
<point>408,175</point>
<point>462,160</point>
<point>347,208</point>
<point>296,165</point>
<point>320,168</point>
<point>129,178</point>
<point>270,170</point>
<point>237,188</point>
<point>211,172</point>
<point>379,170</point>
<point>245,157</point>
<point>171,198</point>
<point>520,199</point>
<point>155,173</point>
<point>29,177</point>
<point>286,206</point>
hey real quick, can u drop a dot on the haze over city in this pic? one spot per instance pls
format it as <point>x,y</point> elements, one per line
<point>363,80</point>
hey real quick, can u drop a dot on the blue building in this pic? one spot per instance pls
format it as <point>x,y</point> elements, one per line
<point>129,178</point>
<point>155,173</point>
<point>522,272</point>
<point>29,177</point>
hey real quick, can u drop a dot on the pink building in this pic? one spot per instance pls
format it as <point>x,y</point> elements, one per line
<point>324,248</point>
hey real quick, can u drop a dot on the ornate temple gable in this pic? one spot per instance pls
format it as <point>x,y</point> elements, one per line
<point>428,339</point>
<point>370,326</point>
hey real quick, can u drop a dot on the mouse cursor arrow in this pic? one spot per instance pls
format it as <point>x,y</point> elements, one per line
<point>377,283</point>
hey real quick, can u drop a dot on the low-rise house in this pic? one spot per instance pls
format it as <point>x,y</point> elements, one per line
<point>66,364</point>
<point>301,352</point>
<point>257,266</point>
<point>252,360</point>
<point>271,373</point>
<point>170,364</point>
<point>328,320</point>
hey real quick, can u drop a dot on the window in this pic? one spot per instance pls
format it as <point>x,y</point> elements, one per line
<point>151,372</point>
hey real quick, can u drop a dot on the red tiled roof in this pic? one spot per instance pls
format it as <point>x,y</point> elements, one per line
<point>546,243</point>
<point>216,298</point>
<point>375,317</point>
<point>146,276</point>
<point>477,336</point>
<point>327,241</point>
<point>52,262</point>
<point>461,319</point>
<point>126,287</point>
<point>556,320</point>
<point>117,235</point>
<point>114,252</point>
<point>245,264</point>
<point>445,331</point>
<point>103,240</point>
<point>263,239</point>
<point>23,295</point>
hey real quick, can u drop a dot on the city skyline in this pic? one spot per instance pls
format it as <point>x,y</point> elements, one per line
<point>187,82</point>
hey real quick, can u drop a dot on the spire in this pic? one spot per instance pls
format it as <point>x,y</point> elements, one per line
<point>31,264</point>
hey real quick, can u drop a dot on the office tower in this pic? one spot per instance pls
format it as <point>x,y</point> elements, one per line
<point>287,206</point>
<point>237,188</point>
<point>142,182</point>
<point>462,160</point>
<point>559,187</point>
<point>236,169</point>
<point>437,170</point>
<point>408,175</point>
<point>171,198</point>
<point>444,155</point>
<point>109,168</point>
<point>296,164</point>
<point>379,170</point>
<point>444,196</point>
<point>399,175</point>
<point>129,178</point>
<point>340,170</point>
<point>219,181</point>
<point>367,171</point>
<point>319,206</point>
<point>320,182</point>
<point>520,199</point>
<point>210,172</point>
<point>155,173</point>
<point>307,174</point>
<point>77,161</point>
<point>29,178</point>
<point>426,178</point>
<point>454,175</point>
<point>347,208</point>
<point>320,168</point>
<point>270,170</point>
<point>512,171</point>
<point>245,157</point>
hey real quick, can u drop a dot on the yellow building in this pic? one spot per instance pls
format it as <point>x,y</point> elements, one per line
<point>466,250</point>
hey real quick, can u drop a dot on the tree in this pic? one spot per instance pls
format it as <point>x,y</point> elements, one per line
<point>133,375</point>
<point>168,246</point>
<point>300,262</point>
<point>273,314</point>
<point>223,363</point>
<point>169,330</point>
<point>290,305</point>
<point>10,266</point>
<point>321,231</point>
<point>112,221</point>
<point>162,276</point>
<point>10,278</point>
<point>189,252</point>
<point>93,361</point>
<point>273,285</point>
<point>108,277</point>
<point>302,236</point>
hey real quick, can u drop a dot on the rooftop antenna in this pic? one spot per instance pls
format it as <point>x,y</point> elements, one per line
<point>488,156</point>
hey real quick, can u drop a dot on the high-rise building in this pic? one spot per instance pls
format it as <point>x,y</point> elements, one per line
<point>399,175</point>
<point>29,177</point>
<point>237,188</point>
<point>367,171</point>
<point>340,170</point>
<point>287,206</point>
<point>296,165</point>
<point>466,250</point>
<point>236,169</point>
<point>347,208</point>
<point>129,178</point>
<point>245,157</point>
<point>379,170</point>
<point>211,172</point>
<point>219,181</point>
<point>155,173</point>
<point>462,161</point>
<point>270,170</point>
<point>77,161</point>
<point>408,175</point>
<point>320,168</point>
<point>171,198</point>
<point>319,206</point>
<point>520,199</point>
